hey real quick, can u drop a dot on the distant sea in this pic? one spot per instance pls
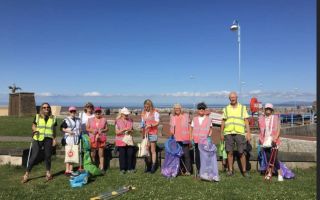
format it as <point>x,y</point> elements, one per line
<point>164,105</point>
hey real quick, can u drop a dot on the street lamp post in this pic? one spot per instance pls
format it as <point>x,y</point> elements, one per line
<point>192,77</point>
<point>236,27</point>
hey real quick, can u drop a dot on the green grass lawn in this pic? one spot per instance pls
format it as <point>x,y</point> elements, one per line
<point>154,186</point>
<point>8,145</point>
<point>21,126</point>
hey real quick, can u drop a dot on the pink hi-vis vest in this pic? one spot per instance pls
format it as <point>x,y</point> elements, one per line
<point>122,124</point>
<point>201,132</point>
<point>101,125</point>
<point>262,126</point>
<point>179,126</point>
<point>150,120</point>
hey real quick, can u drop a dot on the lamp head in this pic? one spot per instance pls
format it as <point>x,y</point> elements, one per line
<point>234,26</point>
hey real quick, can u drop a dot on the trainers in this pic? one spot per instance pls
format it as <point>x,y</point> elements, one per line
<point>187,174</point>
<point>280,178</point>
<point>132,171</point>
<point>229,173</point>
<point>122,172</point>
<point>246,175</point>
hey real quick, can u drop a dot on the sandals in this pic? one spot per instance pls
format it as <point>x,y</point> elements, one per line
<point>25,178</point>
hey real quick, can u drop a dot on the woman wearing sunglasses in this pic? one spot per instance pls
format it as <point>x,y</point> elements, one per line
<point>201,129</point>
<point>71,128</point>
<point>44,136</point>
<point>97,128</point>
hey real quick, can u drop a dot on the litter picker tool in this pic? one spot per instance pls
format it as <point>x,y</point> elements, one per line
<point>113,194</point>
<point>30,148</point>
<point>269,171</point>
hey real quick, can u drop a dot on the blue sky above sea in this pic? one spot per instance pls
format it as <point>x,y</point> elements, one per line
<point>123,52</point>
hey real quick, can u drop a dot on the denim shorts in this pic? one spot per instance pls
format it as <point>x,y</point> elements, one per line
<point>153,138</point>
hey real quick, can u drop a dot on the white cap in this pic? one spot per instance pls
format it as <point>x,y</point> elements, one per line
<point>268,105</point>
<point>125,111</point>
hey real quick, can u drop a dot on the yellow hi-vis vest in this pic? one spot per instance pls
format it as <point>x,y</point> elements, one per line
<point>44,129</point>
<point>234,123</point>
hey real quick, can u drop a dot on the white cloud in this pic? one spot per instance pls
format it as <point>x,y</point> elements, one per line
<point>45,94</point>
<point>198,94</point>
<point>255,92</point>
<point>92,94</point>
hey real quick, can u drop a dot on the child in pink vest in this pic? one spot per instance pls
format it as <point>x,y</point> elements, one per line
<point>201,130</point>
<point>124,126</point>
<point>269,125</point>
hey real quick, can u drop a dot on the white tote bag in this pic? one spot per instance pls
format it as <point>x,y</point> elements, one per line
<point>128,139</point>
<point>143,148</point>
<point>71,154</point>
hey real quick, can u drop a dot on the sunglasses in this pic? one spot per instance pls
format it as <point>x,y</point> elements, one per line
<point>45,107</point>
<point>73,111</point>
<point>97,113</point>
<point>201,109</point>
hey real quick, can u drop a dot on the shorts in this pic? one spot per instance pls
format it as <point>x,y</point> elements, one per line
<point>153,138</point>
<point>240,140</point>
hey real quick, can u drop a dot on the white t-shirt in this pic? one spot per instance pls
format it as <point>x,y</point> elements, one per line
<point>200,121</point>
<point>268,137</point>
<point>84,119</point>
<point>156,116</point>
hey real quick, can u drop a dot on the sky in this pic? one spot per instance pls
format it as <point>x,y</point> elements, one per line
<point>124,51</point>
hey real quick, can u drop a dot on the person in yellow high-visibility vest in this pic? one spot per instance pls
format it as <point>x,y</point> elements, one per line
<point>44,136</point>
<point>235,129</point>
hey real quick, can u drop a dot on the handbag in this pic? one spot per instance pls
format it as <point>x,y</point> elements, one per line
<point>128,139</point>
<point>143,148</point>
<point>71,154</point>
<point>63,141</point>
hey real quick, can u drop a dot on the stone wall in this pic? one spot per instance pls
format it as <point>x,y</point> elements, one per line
<point>305,130</point>
<point>290,145</point>
<point>22,104</point>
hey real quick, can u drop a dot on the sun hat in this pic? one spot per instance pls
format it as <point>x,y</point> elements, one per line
<point>72,108</point>
<point>268,105</point>
<point>125,111</point>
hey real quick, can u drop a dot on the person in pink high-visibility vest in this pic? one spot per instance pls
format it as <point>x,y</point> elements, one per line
<point>269,125</point>
<point>150,119</point>
<point>97,128</point>
<point>124,126</point>
<point>179,127</point>
<point>201,130</point>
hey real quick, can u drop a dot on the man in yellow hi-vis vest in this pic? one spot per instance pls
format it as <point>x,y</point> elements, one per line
<point>44,136</point>
<point>235,129</point>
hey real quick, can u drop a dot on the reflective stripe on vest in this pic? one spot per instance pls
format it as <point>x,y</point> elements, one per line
<point>183,134</point>
<point>200,131</point>
<point>44,128</point>
<point>235,122</point>
<point>74,125</point>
